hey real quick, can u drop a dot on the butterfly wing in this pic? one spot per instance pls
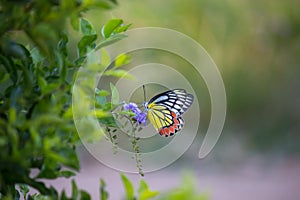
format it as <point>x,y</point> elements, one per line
<point>165,110</point>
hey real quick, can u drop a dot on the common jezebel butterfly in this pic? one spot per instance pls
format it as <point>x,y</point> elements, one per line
<point>165,110</point>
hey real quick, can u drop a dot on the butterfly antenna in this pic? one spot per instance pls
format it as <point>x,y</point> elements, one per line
<point>144,89</point>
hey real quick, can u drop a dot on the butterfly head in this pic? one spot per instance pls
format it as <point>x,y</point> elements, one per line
<point>145,105</point>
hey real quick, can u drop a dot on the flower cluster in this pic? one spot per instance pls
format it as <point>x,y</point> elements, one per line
<point>140,116</point>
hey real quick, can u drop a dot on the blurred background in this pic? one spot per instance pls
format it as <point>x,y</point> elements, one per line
<point>256,46</point>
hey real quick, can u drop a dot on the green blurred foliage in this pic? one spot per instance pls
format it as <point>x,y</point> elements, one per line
<point>185,191</point>
<point>37,74</point>
<point>256,45</point>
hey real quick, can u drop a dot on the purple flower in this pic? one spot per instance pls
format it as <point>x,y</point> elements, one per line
<point>140,116</point>
<point>131,106</point>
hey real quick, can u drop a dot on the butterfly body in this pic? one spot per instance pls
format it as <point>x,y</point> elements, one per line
<point>164,111</point>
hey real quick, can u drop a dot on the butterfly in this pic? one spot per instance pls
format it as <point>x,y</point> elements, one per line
<point>165,110</point>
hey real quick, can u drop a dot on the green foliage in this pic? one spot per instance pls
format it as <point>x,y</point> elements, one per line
<point>114,95</point>
<point>103,192</point>
<point>112,32</point>
<point>129,189</point>
<point>143,192</point>
<point>187,190</point>
<point>113,27</point>
<point>37,75</point>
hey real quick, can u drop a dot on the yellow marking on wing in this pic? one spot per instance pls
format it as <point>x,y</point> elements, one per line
<point>158,118</point>
<point>153,120</point>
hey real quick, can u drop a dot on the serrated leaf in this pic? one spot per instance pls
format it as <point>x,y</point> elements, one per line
<point>129,189</point>
<point>108,29</point>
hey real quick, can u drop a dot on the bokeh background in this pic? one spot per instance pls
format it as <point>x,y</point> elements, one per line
<point>256,46</point>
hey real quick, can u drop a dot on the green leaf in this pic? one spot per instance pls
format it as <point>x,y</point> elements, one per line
<point>120,73</point>
<point>109,121</point>
<point>4,76</point>
<point>47,173</point>
<point>70,157</point>
<point>86,41</point>
<point>10,68</point>
<point>24,189</point>
<point>86,27</point>
<point>108,29</point>
<point>84,195</point>
<point>17,194</point>
<point>74,19</point>
<point>79,61</point>
<point>102,93</point>
<point>12,115</point>
<point>186,190</point>
<point>114,95</point>
<point>147,194</point>
<point>111,40</point>
<point>11,48</point>
<point>144,192</point>
<point>101,97</point>
<point>36,55</point>
<point>128,187</point>
<point>42,83</point>
<point>62,45</point>
<point>103,193</point>
<point>101,101</point>
<point>100,4</point>
<point>66,174</point>
<point>143,186</point>
<point>122,59</point>
<point>63,196</point>
<point>75,191</point>
<point>105,58</point>
<point>122,28</point>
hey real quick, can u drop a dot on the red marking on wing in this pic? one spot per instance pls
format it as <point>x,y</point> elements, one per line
<point>172,129</point>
